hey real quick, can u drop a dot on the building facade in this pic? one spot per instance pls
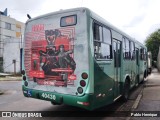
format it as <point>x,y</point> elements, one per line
<point>11,56</point>
<point>10,29</point>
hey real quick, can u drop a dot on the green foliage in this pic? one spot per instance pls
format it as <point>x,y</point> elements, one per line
<point>153,43</point>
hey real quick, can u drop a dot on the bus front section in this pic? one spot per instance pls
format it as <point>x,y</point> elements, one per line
<point>55,63</point>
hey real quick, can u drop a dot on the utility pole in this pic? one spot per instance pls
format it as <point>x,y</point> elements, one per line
<point>20,46</point>
<point>21,50</point>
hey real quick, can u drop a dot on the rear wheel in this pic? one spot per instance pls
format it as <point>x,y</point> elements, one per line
<point>126,88</point>
<point>137,80</point>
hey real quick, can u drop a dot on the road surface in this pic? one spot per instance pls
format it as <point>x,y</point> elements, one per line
<point>13,100</point>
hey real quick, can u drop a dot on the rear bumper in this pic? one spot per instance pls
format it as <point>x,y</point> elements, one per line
<point>85,101</point>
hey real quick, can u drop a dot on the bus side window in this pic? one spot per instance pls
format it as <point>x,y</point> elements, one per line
<point>105,51</point>
<point>132,50</point>
<point>107,41</point>
<point>97,47</point>
<point>126,49</point>
<point>145,55</point>
<point>97,32</point>
<point>102,42</point>
<point>142,54</point>
<point>106,36</point>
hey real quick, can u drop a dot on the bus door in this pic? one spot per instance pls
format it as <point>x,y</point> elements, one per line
<point>117,66</point>
<point>137,62</point>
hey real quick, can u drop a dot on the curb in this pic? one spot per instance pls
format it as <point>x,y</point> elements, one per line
<point>152,85</point>
<point>136,103</point>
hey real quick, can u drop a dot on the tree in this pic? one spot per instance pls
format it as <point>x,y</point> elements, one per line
<point>153,43</point>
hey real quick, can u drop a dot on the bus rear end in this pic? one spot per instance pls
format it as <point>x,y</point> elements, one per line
<point>55,63</point>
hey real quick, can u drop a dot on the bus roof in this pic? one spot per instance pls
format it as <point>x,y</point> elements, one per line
<point>57,12</point>
<point>94,16</point>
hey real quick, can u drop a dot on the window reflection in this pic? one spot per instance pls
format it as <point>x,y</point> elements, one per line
<point>102,42</point>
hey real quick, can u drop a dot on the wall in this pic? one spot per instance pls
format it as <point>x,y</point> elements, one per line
<point>16,31</point>
<point>11,52</point>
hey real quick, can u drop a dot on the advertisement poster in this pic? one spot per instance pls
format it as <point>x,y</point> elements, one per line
<point>51,61</point>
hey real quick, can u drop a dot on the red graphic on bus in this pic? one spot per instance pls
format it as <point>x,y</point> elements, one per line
<point>53,60</point>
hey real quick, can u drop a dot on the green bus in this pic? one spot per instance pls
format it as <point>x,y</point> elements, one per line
<point>77,58</point>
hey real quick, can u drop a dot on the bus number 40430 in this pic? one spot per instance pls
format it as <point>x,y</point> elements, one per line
<point>49,96</point>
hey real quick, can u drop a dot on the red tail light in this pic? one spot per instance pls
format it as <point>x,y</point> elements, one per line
<point>22,72</point>
<point>24,78</point>
<point>84,75</point>
<point>83,103</point>
<point>82,83</point>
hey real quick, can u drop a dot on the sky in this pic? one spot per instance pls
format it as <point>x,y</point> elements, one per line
<point>137,18</point>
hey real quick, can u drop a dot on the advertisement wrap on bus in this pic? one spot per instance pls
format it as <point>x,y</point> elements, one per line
<point>50,60</point>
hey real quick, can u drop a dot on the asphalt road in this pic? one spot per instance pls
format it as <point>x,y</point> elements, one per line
<point>13,100</point>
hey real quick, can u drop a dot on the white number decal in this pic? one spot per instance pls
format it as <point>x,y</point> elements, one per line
<point>49,96</point>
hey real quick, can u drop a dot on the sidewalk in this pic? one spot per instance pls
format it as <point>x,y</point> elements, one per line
<point>150,100</point>
<point>151,94</point>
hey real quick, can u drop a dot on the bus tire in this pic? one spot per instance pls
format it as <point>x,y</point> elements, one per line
<point>137,80</point>
<point>126,88</point>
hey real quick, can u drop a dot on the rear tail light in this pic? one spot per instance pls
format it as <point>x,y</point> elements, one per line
<point>22,72</point>
<point>26,83</point>
<point>84,75</point>
<point>83,103</point>
<point>24,78</point>
<point>82,83</point>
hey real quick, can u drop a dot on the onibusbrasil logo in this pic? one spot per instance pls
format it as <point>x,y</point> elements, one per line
<point>21,114</point>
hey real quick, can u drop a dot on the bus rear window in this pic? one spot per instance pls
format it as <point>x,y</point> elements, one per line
<point>68,20</point>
